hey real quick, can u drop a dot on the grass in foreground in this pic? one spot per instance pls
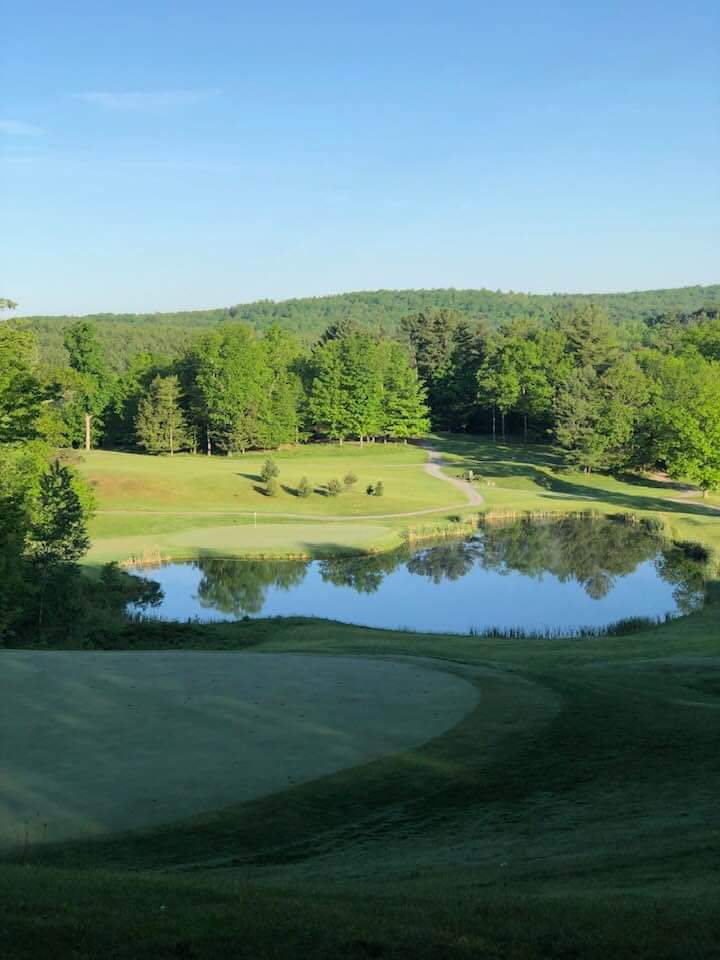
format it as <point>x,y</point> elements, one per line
<point>572,813</point>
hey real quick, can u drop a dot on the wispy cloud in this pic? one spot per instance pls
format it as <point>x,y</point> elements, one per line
<point>145,99</point>
<point>16,128</point>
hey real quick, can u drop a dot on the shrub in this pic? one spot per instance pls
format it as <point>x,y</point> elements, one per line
<point>270,470</point>
<point>350,479</point>
<point>379,489</point>
<point>304,488</point>
<point>271,487</point>
<point>334,487</point>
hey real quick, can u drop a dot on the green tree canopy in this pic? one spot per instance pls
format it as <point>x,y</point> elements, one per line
<point>93,386</point>
<point>686,411</point>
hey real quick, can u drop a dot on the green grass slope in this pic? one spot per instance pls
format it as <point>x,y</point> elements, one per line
<point>186,506</point>
<point>571,814</point>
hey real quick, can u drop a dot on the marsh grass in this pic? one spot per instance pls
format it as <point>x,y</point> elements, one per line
<point>619,628</point>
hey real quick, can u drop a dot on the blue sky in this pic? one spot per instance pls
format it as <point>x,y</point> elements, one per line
<point>182,155</point>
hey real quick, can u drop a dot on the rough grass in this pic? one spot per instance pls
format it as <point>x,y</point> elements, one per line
<point>572,814</point>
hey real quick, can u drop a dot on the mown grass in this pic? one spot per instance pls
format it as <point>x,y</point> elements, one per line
<point>184,507</point>
<point>197,483</point>
<point>572,814</point>
<point>188,506</point>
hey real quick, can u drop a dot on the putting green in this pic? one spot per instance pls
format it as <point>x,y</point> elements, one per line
<point>298,539</point>
<point>101,742</point>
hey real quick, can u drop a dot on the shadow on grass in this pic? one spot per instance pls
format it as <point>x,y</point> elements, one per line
<point>627,501</point>
<point>638,480</point>
<point>479,450</point>
<point>508,461</point>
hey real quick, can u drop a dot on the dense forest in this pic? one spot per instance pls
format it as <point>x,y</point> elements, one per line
<point>123,335</point>
<point>570,377</point>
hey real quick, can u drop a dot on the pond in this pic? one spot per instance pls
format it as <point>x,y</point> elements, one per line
<point>550,576</point>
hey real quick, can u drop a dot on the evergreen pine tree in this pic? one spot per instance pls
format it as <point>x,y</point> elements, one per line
<point>404,410</point>
<point>270,470</point>
<point>160,425</point>
<point>58,528</point>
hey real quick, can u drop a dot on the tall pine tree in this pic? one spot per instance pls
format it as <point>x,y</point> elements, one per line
<point>160,424</point>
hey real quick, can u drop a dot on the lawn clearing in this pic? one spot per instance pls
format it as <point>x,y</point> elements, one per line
<point>571,812</point>
<point>196,483</point>
<point>187,506</point>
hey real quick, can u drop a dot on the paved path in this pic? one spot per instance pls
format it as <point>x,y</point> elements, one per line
<point>434,468</point>
<point>684,494</point>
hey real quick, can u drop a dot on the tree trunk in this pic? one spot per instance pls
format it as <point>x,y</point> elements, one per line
<point>172,442</point>
<point>88,431</point>
<point>525,426</point>
<point>209,441</point>
<point>705,493</point>
<point>361,441</point>
<point>494,425</point>
<point>41,608</point>
<point>502,421</point>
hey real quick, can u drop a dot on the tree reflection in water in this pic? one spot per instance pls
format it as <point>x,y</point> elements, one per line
<point>593,552</point>
<point>239,587</point>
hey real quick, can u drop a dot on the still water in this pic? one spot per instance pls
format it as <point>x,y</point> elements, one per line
<point>535,576</point>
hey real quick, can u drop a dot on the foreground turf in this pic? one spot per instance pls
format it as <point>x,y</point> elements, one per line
<point>147,738</point>
<point>572,813</point>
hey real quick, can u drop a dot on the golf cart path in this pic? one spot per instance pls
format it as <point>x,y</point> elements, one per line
<point>433,466</point>
<point>98,742</point>
<point>685,493</point>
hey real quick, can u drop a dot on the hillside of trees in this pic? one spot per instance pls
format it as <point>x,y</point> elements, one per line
<point>123,335</point>
<point>571,378</point>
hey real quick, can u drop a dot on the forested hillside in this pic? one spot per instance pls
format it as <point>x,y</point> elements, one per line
<point>169,334</point>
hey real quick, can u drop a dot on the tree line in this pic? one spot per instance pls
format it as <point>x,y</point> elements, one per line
<point>232,390</point>
<point>573,382</point>
<point>169,334</point>
<point>45,507</point>
<point>569,379</point>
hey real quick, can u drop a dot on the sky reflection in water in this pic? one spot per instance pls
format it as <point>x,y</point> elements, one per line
<point>531,575</point>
